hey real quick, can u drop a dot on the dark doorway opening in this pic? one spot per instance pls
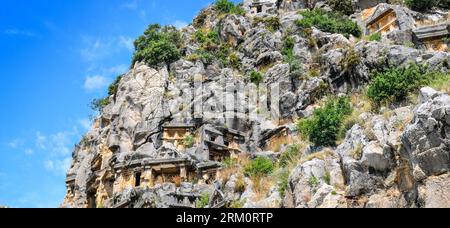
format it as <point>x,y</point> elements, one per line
<point>137,177</point>
<point>91,200</point>
<point>259,9</point>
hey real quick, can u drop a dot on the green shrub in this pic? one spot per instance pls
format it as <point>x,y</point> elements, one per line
<point>206,57</point>
<point>189,141</point>
<point>114,87</point>
<point>256,77</point>
<point>99,104</point>
<point>261,166</point>
<point>328,22</point>
<point>375,37</point>
<point>158,45</point>
<point>271,23</point>
<point>289,155</point>
<point>234,60</point>
<point>288,48</point>
<point>313,73</point>
<point>422,5</point>
<point>211,49</point>
<point>199,21</point>
<point>351,59</point>
<point>230,163</point>
<point>342,6</point>
<point>440,81</point>
<point>313,182</point>
<point>323,127</point>
<point>228,7</point>
<point>224,6</point>
<point>236,204</point>
<point>394,84</point>
<point>446,39</point>
<point>296,68</point>
<point>444,4</point>
<point>239,184</point>
<point>327,178</point>
<point>207,40</point>
<point>203,201</point>
<point>295,65</point>
<point>223,55</point>
<point>283,182</point>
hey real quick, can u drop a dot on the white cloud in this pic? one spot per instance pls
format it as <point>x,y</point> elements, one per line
<point>94,49</point>
<point>56,149</point>
<point>29,151</point>
<point>179,24</point>
<point>85,123</point>
<point>58,167</point>
<point>58,144</point>
<point>131,5</point>
<point>15,143</point>
<point>127,42</point>
<point>41,140</point>
<point>116,70</point>
<point>19,32</point>
<point>96,82</point>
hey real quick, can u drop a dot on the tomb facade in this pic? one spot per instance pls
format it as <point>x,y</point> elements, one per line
<point>432,37</point>
<point>260,7</point>
<point>217,145</point>
<point>177,133</point>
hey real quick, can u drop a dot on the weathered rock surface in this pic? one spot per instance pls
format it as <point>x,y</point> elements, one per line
<point>171,134</point>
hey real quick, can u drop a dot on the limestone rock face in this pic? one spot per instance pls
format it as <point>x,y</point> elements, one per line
<point>435,193</point>
<point>233,29</point>
<point>311,182</point>
<point>182,134</point>
<point>426,140</point>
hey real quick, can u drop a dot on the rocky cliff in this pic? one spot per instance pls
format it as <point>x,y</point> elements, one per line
<point>218,122</point>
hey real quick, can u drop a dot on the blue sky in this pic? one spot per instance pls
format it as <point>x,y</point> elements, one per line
<point>55,57</point>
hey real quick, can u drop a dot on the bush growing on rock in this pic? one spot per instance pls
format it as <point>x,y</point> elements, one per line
<point>329,22</point>
<point>228,7</point>
<point>423,5</point>
<point>394,84</point>
<point>444,4</point>
<point>236,204</point>
<point>288,49</point>
<point>256,77</point>
<point>99,104</point>
<point>203,201</point>
<point>374,37</point>
<point>283,182</point>
<point>234,61</point>
<point>289,155</point>
<point>189,141</point>
<point>295,65</point>
<point>323,127</point>
<point>158,45</point>
<point>207,40</point>
<point>261,166</point>
<point>271,23</point>
<point>211,49</point>
<point>239,184</point>
<point>114,87</point>
<point>343,6</point>
<point>230,163</point>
